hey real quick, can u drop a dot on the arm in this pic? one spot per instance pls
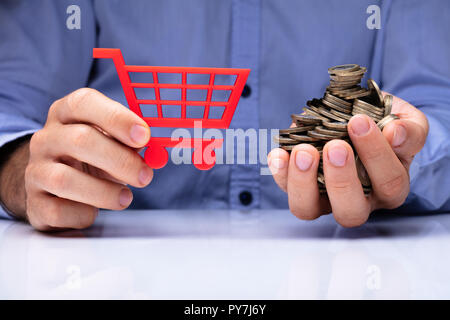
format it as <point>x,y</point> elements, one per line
<point>84,150</point>
<point>36,49</point>
<point>413,57</point>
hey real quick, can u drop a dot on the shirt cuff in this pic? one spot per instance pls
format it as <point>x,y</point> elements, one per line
<point>8,137</point>
<point>5,213</point>
<point>4,139</point>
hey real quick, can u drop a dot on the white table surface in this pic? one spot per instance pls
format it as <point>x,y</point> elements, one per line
<point>228,255</point>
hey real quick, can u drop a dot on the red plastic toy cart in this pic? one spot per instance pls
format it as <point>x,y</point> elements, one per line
<point>156,155</point>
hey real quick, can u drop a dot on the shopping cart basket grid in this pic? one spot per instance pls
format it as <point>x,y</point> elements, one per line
<point>156,155</point>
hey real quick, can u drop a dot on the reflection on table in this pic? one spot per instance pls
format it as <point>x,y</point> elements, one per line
<point>228,255</point>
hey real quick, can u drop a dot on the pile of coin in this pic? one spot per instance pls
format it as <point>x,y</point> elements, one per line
<point>326,119</point>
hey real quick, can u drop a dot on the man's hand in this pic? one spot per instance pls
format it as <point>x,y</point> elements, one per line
<point>82,160</point>
<point>386,156</point>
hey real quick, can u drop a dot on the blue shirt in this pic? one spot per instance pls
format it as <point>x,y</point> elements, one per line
<point>288,45</point>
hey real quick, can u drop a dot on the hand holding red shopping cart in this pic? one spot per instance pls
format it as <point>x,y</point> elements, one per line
<point>156,155</point>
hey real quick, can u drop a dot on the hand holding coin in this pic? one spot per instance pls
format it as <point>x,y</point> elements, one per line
<point>386,156</point>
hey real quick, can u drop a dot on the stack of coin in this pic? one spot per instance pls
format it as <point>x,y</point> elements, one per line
<point>326,119</point>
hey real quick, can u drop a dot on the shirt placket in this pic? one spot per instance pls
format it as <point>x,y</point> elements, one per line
<point>245,46</point>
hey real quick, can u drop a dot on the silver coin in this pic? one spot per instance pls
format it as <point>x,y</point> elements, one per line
<point>369,107</point>
<point>344,91</point>
<point>302,138</point>
<point>305,119</point>
<point>372,85</point>
<point>345,116</point>
<point>388,99</point>
<point>337,101</point>
<point>341,126</point>
<point>383,122</point>
<point>296,130</point>
<point>329,115</point>
<point>336,107</point>
<point>321,136</point>
<point>345,78</point>
<point>337,133</point>
<point>374,117</point>
<point>362,173</point>
<point>347,70</point>
<point>284,140</point>
<point>355,95</point>
<point>314,114</point>
<point>288,147</point>
<point>321,178</point>
<point>343,69</point>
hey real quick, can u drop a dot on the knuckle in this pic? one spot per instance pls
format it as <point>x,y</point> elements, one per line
<point>57,179</point>
<point>338,186</point>
<point>422,138</point>
<point>81,135</point>
<point>54,215</point>
<point>92,216</point>
<point>373,153</point>
<point>87,219</point>
<point>393,187</point>
<point>113,117</point>
<point>78,98</point>
<point>32,218</point>
<point>301,212</point>
<point>127,164</point>
<point>54,107</point>
<point>29,174</point>
<point>37,224</point>
<point>37,141</point>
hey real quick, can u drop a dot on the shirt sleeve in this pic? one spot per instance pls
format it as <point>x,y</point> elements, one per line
<point>412,53</point>
<point>41,60</point>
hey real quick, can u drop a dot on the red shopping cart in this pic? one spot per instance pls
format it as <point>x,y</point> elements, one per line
<point>156,155</point>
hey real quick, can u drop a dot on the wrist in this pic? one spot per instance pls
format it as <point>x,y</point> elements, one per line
<point>13,162</point>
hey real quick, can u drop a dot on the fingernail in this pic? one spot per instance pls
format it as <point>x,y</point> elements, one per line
<point>139,134</point>
<point>303,160</point>
<point>399,136</point>
<point>125,197</point>
<point>277,163</point>
<point>360,125</point>
<point>337,155</point>
<point>145,175</point>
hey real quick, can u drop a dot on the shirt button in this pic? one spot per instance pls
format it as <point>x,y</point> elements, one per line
<point>247,91</point>
<point>245,197</point>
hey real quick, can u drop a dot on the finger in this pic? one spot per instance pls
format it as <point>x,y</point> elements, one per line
<point>407,111</point>
<point>93,171</point>
<point>406,138</point>
<point>389,178</point>
<point>302,188</point>
<point>49,213</point>
<point>88,145</point>
<point>69,183</point>
<point>277,161</point>
<point>90,106</point>
<point>349,204</point>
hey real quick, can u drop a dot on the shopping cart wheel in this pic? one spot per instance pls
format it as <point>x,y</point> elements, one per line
<point>156,156</point>
<point>205,164</point>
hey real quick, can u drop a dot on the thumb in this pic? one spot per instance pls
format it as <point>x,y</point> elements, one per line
<point>406,138</point>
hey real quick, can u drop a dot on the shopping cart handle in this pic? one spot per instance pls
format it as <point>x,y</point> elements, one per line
<point>106,53</point>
